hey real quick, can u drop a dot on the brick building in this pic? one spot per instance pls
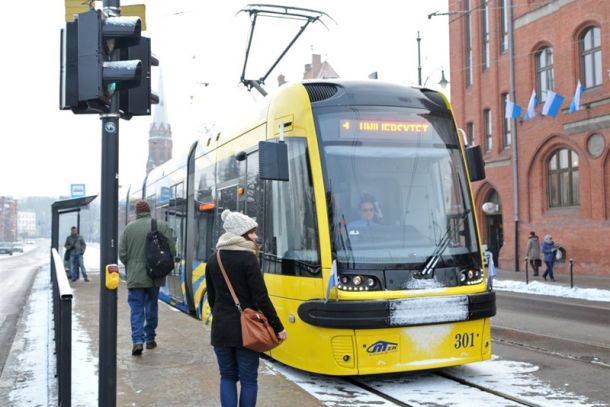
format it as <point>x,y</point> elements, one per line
<point>8,219</point>
<point>563,162</point>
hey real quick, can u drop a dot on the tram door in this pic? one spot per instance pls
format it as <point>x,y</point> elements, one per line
<point>175,215</point>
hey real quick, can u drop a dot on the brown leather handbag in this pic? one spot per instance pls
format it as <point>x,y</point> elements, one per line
<point>256,333</point>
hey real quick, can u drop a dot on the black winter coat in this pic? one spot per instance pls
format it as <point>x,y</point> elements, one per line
<point>247,280</point>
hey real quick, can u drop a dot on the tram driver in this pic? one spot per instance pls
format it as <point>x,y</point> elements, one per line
<point>370,214</point>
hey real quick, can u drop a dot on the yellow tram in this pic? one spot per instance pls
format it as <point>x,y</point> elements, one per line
<point>370,247</point>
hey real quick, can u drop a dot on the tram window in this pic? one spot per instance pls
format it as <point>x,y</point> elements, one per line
<point>205,193</point>
<point>253,188</point>
<point>152,202</point>
<point>290,232</point>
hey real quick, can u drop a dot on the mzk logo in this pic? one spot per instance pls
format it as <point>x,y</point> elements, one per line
<point>382,347</point>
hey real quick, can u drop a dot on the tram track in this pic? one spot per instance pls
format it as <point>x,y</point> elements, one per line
<point>570,349</point>
<point>494,396</point>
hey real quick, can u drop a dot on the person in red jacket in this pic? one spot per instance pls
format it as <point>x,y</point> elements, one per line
<point>239,256</point>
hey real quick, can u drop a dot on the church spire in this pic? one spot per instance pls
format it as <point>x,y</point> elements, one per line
<point>160,133</point>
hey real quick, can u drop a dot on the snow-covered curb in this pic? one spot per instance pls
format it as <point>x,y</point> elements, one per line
<point>555,290</point>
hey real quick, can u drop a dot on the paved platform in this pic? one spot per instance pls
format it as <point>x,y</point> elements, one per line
<point>182,370</point>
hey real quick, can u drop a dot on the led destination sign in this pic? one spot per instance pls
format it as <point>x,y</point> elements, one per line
<point>383,126</point>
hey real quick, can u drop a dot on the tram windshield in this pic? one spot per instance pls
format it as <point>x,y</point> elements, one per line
<point>397,188</point>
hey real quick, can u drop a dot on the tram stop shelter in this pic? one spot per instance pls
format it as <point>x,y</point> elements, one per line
<point>63,207</point>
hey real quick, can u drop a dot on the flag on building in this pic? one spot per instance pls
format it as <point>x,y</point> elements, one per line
<point>530,113</point>
<point>552,104</point>
<point>575,105</point>
<point>512,110</point>
<point>332,281</point>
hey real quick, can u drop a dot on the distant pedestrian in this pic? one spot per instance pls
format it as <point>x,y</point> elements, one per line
<point>76,246</point>
<point>533,252</point>
<point>239,256</point>
<point>143,292</point>
<point>549,250</point>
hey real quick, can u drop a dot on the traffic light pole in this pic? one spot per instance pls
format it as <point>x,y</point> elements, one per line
<point>107,382</point>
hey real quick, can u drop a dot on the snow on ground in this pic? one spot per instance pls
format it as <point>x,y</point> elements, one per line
<point>32,370</point>
<point>540,288</point>
<point>38,345</point>
<point>517,379</point>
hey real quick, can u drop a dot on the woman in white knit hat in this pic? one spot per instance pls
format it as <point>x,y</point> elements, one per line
<point>239,256</point>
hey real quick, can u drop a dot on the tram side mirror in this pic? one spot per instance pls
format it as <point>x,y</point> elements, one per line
<point>476,165</point>
<point>273,160</point>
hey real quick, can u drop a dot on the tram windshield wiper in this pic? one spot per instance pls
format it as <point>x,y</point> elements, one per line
<point>346,243</point>
<point>428,270</point>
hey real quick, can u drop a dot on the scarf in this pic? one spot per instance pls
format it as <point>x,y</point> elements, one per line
<point>229,241</point>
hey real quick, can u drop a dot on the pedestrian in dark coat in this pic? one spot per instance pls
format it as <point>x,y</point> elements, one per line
<point>239,256</point>
<point>76,246</point>
<point>142,291</point>
<point>533,252</point>
<point>549,249</point>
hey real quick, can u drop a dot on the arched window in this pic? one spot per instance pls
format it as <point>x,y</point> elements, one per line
<point>591,57</point>
<point>544,72</point>
<point>563,179</point>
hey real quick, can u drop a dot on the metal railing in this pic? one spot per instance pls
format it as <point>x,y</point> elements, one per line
<point>62,317</point>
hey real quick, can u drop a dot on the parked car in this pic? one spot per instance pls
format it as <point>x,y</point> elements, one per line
<point>17,247</point>
<point>6,248</point>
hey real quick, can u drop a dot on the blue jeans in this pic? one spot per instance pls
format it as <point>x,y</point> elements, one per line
<point>76,261</point>
<point>144,313</point>
<point>237,364</point>
<point>549,270</point>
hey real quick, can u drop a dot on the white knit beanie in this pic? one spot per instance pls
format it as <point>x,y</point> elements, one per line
<point>237,223</point>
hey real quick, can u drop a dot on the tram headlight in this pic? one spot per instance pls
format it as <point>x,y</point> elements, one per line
<point>357,280</point>
<point>370,282</point>
<point>462,277</point>
<point>344,280</point>
<point>470,274</point>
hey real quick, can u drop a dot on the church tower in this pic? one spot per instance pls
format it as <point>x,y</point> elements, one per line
<point>160,133</point>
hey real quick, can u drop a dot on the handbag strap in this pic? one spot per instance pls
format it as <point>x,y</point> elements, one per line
<point>224,274</point>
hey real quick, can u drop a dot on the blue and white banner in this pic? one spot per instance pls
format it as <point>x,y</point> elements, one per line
<point>552,104</point>
<point>332,281</point>
<point>530,113</point>
<point>512,110</point>
<point>575,105</point>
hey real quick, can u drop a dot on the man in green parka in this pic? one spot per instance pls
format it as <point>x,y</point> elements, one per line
<point>143,292</point>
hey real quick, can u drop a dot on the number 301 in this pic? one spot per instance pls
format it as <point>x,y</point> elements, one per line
<point>465,340</point>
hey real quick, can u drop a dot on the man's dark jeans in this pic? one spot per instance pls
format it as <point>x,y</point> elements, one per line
<point>76,262</point>
<point>237,364</point>
<point>144,313</point>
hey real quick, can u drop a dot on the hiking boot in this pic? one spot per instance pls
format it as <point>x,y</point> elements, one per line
<point>151,345</point>
<point>87,280</point>
<point>137,349</point>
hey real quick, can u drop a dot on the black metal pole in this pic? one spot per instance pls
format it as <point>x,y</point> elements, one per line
<point>108,242</point>
<point>527,275</point>
<point>418,60</point>
<point>511,58</point>
<point>571,273</point>
<point>65,354</point>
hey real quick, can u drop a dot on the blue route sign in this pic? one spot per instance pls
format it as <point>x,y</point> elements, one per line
<point>77,190</point>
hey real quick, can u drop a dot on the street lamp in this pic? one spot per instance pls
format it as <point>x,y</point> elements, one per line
<point>443,82</point>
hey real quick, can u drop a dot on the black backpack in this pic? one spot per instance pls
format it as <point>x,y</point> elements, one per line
<point>159,259</point>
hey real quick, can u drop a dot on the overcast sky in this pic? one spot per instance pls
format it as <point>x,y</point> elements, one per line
<point>44,150</point>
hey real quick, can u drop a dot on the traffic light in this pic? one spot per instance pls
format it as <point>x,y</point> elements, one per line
<point>99,74</point>
<point>103,55</point>
<point>136,101</point>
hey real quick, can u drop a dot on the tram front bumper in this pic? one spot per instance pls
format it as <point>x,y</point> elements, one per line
<point>398,313</point>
